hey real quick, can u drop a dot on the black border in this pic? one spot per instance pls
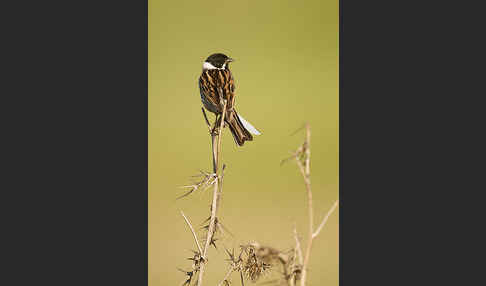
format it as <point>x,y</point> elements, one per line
<point>408,129</point>
<point>75,181</point>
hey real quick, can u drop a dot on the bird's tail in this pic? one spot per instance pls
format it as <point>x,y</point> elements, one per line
<point>239,127</point>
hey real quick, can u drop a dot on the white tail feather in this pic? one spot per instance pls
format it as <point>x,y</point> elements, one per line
<point>248,126</point>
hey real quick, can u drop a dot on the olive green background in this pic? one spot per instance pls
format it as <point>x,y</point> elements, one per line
<point>286,73</point>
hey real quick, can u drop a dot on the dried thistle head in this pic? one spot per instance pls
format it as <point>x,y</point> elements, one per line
<point>258,259</point>
<point>255,262</point>
<point>254,269</point>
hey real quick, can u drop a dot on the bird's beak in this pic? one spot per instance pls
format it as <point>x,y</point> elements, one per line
<point>230,60</point>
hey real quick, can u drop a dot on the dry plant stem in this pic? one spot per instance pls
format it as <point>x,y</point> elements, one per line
<point>226,276</point>
<point>206,119</point>
<point>193,232</point>
<point>291,282</point>
<point>316,233</point>
<point>305,170</point>
<point>298,254</point>
<point>311,238</point>
<point>218,159</point>
<point>216,142</point>
<point>213,138</point>
<point>302,158</point>
<point>298,247</point>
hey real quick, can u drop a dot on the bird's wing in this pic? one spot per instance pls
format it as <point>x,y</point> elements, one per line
<point>209,90</point>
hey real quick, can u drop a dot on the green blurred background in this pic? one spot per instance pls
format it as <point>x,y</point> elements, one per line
<point>286,73</point>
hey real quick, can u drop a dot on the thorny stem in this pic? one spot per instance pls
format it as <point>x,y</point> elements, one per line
<point>216,143</point>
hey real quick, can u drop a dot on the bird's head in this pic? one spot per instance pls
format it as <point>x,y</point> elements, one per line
<point>217,61</point>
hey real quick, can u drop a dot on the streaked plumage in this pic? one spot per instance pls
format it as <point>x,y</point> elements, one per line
<point>216,78</point>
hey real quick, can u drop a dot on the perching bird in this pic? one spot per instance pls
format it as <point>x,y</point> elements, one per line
<point>216,78</point>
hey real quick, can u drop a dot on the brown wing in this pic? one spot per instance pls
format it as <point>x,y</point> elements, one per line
<point>208,91</point>
<point>211,83</point>
<point>231,89</point>
<point>227,84</point>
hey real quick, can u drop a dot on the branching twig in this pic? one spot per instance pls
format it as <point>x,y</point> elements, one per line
<point>302,158</point>
<point>193,232</point>
<point>316,233</point>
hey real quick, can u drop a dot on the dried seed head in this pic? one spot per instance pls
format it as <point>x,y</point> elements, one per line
<point>258,260</point>
<point>253,266</point>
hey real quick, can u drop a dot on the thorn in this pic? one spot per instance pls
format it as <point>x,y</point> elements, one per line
<point>213,243</point>
<point>283,161</point>
<point>206,220</point>
<point>185,195</point>
<point>223,228</point>
<point>300,128</point>
<point>189,273</point>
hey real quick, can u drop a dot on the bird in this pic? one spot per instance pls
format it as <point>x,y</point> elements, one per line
<point>215,83</point>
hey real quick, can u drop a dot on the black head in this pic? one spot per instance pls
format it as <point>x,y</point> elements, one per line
<point>217,61</point>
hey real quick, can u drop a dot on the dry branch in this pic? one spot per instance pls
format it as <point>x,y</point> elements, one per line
<point>216,142</point>
<point>225,279</point>
<point>302,158</point>
<point>193,232</point>
<point>298,248</point>
<point>316,233</point>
